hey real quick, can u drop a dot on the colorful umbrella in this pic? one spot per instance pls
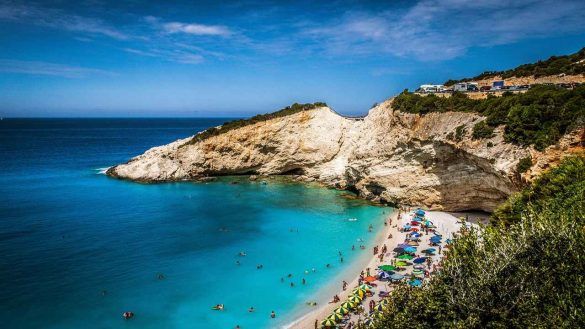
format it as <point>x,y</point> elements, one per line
<point>335,317</point>
<point>381,307</point>
<point>401,264</point>
<point>359,292</point>
<point>341,310</point>
<point>365,286</point>
<point>385,301</point>
<point>369,279</point>
<point>387,267</point>
<point>405,256</point>
<point>420,212</point>
<point>410,249</point>
<point>349,305</point>
<point>356,299</point>
<point>415,283</point>
<point>396,277</point>
<point>327,323</point>
<point>419,260</point>
<point>429,251</point>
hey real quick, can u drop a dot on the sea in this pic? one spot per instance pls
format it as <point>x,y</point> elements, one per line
<point>78,248</point>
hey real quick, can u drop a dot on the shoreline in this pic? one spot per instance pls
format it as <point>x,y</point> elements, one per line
<point>446,223</point>
<point>307,320</point>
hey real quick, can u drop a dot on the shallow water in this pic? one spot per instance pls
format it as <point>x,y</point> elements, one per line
<point>79,248</point>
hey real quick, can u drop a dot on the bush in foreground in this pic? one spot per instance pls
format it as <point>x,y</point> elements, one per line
<point>525,275</point>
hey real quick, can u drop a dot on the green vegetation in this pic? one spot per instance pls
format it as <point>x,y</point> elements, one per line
<point>231,125</point>
<point>538,117</point>
<point>568,64</point>
<point>482,130</point>
<point>524,164</point>
<point>525,275</point>
<point>561,187</point>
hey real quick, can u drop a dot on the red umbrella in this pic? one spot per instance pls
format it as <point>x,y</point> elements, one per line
<point>370,279</point>
<point>414,223</point>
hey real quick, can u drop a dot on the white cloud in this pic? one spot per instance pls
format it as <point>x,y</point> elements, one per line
<point>44,68</point>
<point>58,19</point>
<point>438,30</point>
<point>196,29</point>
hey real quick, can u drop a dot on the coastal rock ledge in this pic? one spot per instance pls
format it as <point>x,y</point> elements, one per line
<point>388,156</point>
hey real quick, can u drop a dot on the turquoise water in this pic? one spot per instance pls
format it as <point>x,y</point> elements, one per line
<point>79,248</point>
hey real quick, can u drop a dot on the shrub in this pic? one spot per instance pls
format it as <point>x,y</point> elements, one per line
<point>524,164</point>
<point>538,117</point>
<point>289,110</point>
<point>525,275</point>
<point>482,130</point>
<point>568,64</point>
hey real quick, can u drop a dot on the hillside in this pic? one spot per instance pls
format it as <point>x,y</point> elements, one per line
<point>527,274</point>
<point>556,69</point>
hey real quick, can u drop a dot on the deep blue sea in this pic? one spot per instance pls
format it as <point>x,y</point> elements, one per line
<point>78,248</point>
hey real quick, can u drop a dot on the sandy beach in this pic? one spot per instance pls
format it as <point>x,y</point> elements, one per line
<point>446,225</point>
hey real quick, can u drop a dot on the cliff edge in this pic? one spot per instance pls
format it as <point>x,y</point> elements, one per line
<point>388,156</point>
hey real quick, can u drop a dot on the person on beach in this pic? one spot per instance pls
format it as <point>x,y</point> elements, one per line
<point>368,271</point>
<point>238,262</point>
<point>341,260</point>
<point>353,247</point>
<point>328,265</point>
<point>272,314</point>
<point>290,275</point>
<point>304,281</point>
<point>292,284</point>
<point>251,309</point>
<point>316,323</point>
<point>344,285</point>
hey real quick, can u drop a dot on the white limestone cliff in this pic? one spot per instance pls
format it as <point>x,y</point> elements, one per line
<point>389,156</point>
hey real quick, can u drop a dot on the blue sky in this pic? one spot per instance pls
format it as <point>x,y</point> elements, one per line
<point>221,58</point>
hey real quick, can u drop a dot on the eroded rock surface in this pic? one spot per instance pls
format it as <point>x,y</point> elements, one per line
<point>389,156</point>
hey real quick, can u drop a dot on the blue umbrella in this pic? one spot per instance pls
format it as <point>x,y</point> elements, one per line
<point>384,276</point>
<point>396,277</point>
<point>415,234</point>
<point>410,249</point>
<point>436,239</point>
<point>448,241</point>
<point>419,260</point>
<point>420,212</point>
<point>415,283</point>
<point>429,251</point>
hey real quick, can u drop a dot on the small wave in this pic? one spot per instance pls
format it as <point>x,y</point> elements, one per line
<point>101,171</point>
<point>352,219</point>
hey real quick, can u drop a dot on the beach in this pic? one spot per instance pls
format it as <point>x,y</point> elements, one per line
<point>390,235</point>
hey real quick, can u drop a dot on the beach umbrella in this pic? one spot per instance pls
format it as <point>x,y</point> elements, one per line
<point>419,267</point>
<point>401,264</point>
<point>415,283</point>
<point>376,315</point>
<point>396,277</point>
<point>327,323</point>
<point>349,305</point>
<point>355,299</point>
<point>369,279</point>
<point>341,310</point>
<point>359,292</point>
<point>385,301</point>
<point>410,249</point>
<point>420,212</point>
<point>415,234</point>
<point>448,241</point>
<point>384,275</point>
<point>405,256</point>
<point>387,267</point>
<point>429,251</point>
<point>381,307</point>
<point>366,287</point>
<point>335,317</point>
<point>414,229</point>
<point>419,260</point>
<point>436,239</point>
<point>412,243</point>
<point>414,223</point>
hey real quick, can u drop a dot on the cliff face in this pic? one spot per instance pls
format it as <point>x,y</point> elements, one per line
<point>388,156</point>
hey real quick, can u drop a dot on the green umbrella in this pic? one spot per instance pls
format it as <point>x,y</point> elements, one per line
<point>359,292</point>
<point>349,305</point>
<point>405,256</point>
<point>385,301</point>
<point>341,310</point>
<point>365,287</point>
<point>328,323</point>
<point>377,315</point>
<point>401,263</point>
<point>335,317</point>
<point>355,299</point>
<point>381,307</point>
<point>387,267</point>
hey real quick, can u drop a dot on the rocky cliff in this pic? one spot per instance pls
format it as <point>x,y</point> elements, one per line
<point>389,156</point>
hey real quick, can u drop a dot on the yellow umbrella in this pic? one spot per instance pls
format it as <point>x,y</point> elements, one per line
<point>359,292</point>
<point>355,299</point>
<point>335,317</point>
<point>349,305</point>
<point>381,307</point>
<point>341,310</point>
<point>365,287</point>
<point>328,323</point>
<point>384,301</point>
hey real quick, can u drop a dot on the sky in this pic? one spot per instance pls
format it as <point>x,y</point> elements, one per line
<point>92,58</point>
